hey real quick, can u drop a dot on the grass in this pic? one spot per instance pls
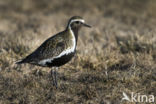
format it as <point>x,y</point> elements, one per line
<point>117,55</point>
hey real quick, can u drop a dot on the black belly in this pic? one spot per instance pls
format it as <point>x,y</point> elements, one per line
<point>60,61</point>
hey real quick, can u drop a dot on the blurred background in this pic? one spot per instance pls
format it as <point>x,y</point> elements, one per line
<point>118,54</point>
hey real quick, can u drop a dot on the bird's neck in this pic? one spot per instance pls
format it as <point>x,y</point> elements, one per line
<point>75,31</point>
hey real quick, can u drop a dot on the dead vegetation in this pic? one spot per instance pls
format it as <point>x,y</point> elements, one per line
<point>117,55</point>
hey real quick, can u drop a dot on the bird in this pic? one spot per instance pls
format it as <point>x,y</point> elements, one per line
<point>57,50</point>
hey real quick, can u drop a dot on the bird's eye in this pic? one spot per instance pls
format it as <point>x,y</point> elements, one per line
<point>77,22</point>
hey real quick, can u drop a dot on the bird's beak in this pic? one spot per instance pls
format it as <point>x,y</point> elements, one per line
<point>84,24</point>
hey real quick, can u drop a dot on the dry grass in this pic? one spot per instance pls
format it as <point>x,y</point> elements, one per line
<point>118,54</point>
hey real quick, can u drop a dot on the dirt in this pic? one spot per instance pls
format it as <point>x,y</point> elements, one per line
<point>118,54</point>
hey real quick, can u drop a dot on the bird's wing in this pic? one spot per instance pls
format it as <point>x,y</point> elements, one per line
<point>49,49</point>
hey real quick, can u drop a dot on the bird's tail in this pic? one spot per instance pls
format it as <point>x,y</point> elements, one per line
<point>19,62</point>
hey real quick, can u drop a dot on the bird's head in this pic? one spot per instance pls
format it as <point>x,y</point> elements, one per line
<point>76,22</point>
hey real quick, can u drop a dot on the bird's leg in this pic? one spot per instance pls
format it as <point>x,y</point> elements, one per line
<point>54,76</point>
